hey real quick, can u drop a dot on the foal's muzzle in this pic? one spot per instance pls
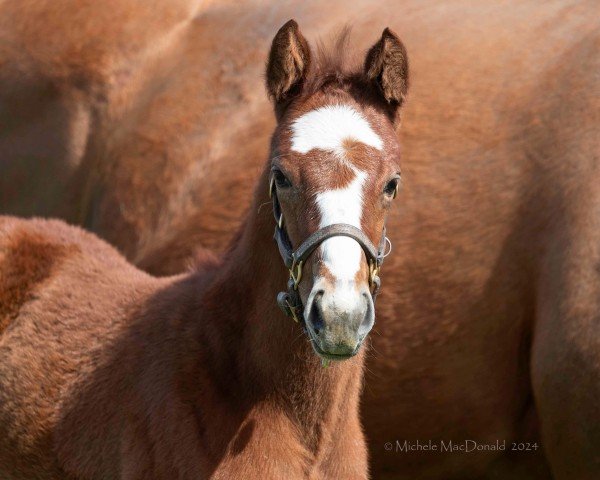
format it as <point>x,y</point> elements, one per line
<point>338,319</point>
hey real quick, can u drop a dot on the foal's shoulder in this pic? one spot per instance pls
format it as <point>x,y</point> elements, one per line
<point>28,246</point>
<point>35,241</point>
<point>32,250</point>
<point>29,252</point>
<point>37,251</point>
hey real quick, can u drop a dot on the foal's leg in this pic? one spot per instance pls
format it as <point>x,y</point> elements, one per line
<point>566,346</point>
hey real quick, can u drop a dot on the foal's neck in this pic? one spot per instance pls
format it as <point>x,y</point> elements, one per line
<point>270,352</point>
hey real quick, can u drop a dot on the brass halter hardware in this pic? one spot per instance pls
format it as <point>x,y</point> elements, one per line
<point>290,301</point>
<point>292,311</point>
<point>373,274</point>
<point>296,273</point>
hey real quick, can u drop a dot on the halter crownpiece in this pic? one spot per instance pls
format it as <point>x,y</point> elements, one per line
<point>290,301</point>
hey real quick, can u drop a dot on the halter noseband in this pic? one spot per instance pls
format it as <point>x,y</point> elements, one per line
<point>290,301</point>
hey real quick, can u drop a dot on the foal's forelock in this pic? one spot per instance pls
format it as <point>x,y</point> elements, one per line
<point>331,129</point>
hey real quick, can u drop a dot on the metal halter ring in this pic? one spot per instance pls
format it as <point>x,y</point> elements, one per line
<point>389,242</point>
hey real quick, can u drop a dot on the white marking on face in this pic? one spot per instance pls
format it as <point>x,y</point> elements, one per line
<point>342,255</point>
<point>327,128</point>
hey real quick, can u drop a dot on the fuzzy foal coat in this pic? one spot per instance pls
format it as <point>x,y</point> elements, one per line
<point>107,372</point>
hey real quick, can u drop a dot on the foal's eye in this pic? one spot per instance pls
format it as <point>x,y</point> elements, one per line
<point>280,179</point>
<point>391,188</point>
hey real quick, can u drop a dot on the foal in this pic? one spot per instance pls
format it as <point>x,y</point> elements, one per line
<point>106,372</point>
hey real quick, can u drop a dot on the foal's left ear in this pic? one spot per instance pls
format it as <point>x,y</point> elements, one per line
<point>386,66</point>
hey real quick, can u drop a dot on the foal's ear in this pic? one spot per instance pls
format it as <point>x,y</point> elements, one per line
<point>288,64</point>
<point>386,66</point>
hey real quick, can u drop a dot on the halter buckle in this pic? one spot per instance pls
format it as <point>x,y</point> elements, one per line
<point>296,273</point>
<point>373,274</point>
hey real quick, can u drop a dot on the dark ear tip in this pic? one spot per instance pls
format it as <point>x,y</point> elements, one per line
<point>389,33</point>
<point>291,24</point>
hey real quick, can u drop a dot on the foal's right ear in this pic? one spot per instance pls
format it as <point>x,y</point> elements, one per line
<point>288,64</point>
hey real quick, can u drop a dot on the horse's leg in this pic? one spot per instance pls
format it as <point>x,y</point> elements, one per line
<point>566,345</point>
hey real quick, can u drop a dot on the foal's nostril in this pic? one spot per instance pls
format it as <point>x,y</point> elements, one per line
<point>369,316</point>
<point>316,317</point>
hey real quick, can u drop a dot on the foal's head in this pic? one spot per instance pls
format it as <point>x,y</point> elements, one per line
<point>335,160</point>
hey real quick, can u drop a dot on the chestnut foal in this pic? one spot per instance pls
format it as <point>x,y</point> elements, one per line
<point>106,372</point>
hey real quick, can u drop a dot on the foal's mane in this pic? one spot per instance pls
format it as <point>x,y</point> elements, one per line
<point>336,66</point>
<point>332,63</point>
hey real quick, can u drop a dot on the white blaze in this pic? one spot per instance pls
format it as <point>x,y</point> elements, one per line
<point>342,254</point>
<point>327,128</point>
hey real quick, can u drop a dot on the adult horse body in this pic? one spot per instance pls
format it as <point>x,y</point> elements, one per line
<point>492,293</point>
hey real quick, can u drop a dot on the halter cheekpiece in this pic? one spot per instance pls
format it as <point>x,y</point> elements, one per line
<point>290,301</point>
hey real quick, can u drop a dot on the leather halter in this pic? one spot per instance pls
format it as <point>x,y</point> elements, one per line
<point>290,301</point>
